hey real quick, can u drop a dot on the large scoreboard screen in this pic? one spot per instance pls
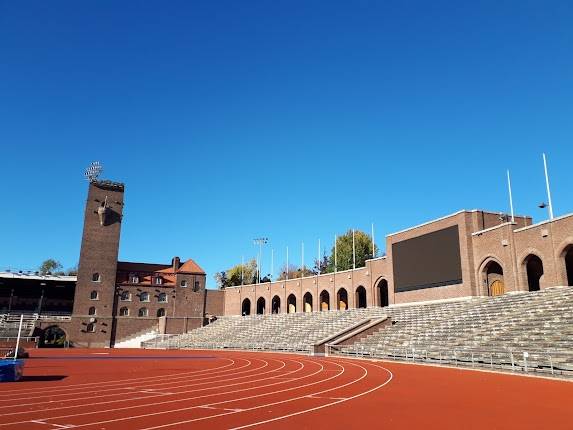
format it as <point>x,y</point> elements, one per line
<point>428,261</point>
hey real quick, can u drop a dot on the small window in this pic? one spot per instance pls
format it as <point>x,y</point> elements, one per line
<point>144,297</point>
<point>142,312</point>
<point>92,310</point>
<point>196,286</point>
<point>158,280</point>
<point>94,295</point>
<point>96,277</point>
<point>160,312</point>
<point>162,298</point>
<point>91,328</point>
<point>125,296</point>
<point>123,312</point>
<point>184,283</point>
<point>134,279</point>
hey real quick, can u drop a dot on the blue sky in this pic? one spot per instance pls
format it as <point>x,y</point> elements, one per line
<point>292,120</point>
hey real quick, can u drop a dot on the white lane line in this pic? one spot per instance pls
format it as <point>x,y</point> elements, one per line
<point>58,426</point>
<point>74,387</point>
<point>163,402</point>
<point>136,387</point>
<point>391,376</point>
<point>219,409</point>
<point>170,411</point>
<point>210,395</point>
<point>327,398</point>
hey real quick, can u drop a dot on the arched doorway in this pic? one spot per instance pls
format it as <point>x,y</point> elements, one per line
<point>261,306</point>
<point>569,265</point>
<point>534,269</point>
<point>493,277</point>
<point>360,301</point>
<point>54,337</point>
<point>276,305</point>
<point>291,304</point>
<point>342,300</point>
<point>307,302</point>
<point>324,301</point>
<point>383,293</point>
<point>246,307</point>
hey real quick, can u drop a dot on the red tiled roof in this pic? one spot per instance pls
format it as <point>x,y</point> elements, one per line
<point>188,266</point>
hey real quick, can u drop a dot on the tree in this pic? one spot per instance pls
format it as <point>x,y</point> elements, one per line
<point>321,266</point>
<point>50,266</point>
<point>72,271</point>
<point>363,245</point>
<point>238,275</point>
<point>294,272</point>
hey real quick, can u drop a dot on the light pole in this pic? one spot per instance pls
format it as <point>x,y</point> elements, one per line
<point>260,241</point>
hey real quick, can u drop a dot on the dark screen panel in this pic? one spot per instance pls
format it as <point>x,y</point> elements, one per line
<point>431,260</point>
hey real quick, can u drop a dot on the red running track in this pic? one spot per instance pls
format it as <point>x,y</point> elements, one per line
<point>148,390</point>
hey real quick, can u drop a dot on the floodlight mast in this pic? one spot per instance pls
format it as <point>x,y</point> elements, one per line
<point>260,241</point>
<point>93,171</point>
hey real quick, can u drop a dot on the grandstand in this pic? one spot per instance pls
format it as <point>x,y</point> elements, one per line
<point>478,331</point>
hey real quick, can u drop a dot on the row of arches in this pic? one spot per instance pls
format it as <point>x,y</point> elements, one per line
<point>324,304</point>
<point>532,268</point>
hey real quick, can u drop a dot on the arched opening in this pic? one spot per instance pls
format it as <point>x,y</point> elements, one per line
<point>307,302</point>
<point>342,300</point>
<point>493,278</point>
<point>261,306</point>
<point>246,307</point>
<point>324,301</point>
<point>142,312</point>
<point>276,305</point>
<point>291,304</point>
<point>569,265</point>
<point>123,312</point>
<point>92,310</point>
<point>383,293</point>
<point>534,269</point>
<point>160,312</point>
<point>54,337</point>
<point>360,301</point>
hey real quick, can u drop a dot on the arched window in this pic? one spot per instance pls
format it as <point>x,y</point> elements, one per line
<point>184,283</point>
<point>91,328</point>
<point>307,302</point>
<point>142,312</point>
<point>96,277</point>
<point>261,306</point>
<point>291,304</point>
<point>162,298</point>
<point>158,280</point>
<point>144,297</point>
<point>246,307</point>
<point>123,312</point>
<point>92,310</point>
<point>134,279</point>
<point>126,296</point>
<point>94,295</point>
<point>160,312</point>
<point>360,301</point>
<point>324,301</point>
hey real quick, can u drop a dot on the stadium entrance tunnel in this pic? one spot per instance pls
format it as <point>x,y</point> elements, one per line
<point>291,304</point>
<point>534,269</point>
<point>342,299</point>
<point>53,337</point>
<point>568,258</point>
<point>261,306</point>
<point>246,307</point>
<point>324,301</point>
<point>360,297</point>
<point>276,305</point>
<point>307,302</point>
<point>383,293</point>
<point>493,277</point>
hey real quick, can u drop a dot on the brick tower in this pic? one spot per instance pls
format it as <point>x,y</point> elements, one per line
<point>93,313</point>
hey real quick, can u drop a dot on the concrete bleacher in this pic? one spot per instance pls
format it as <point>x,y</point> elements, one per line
<point>479,331</point>
<point>9,324</point>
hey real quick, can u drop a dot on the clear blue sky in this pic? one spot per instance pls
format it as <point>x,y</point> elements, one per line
<point>294,120</point>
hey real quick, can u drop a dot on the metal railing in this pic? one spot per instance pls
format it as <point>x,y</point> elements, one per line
<point>557,363</point>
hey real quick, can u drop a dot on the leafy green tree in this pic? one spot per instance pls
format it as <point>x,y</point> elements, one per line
<point>363,245</point>
<point>50,266</point>
<point>232,277</point>
<point>294,272</point>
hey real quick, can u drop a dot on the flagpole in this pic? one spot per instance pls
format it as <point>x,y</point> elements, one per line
<point>373,245</point>
<point>272,263</point>
<point>318,258</point>
<point>510,197</point>
<point>335,255</point>
<point>287,265</point>
<point>302,260</point>
<point>548,189</point>
<point>242,268</point>
<point>353,251</point>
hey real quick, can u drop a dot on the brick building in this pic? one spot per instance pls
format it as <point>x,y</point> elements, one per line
<point>468,253</point>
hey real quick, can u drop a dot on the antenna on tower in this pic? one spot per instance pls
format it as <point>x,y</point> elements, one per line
<point>93,171</point>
